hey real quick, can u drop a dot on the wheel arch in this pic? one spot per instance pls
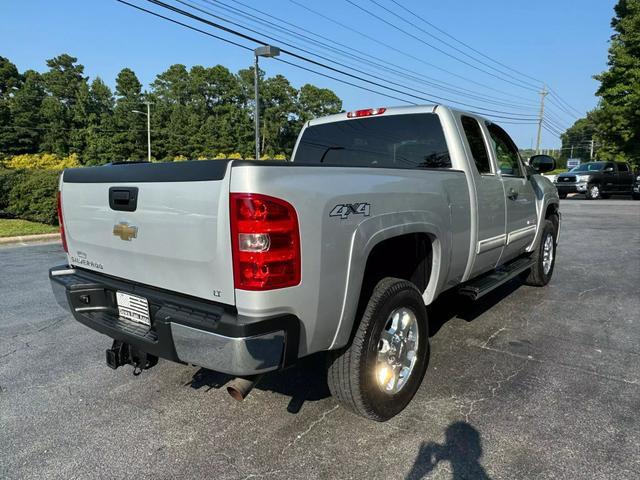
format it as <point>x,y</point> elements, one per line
<point>366,247</point>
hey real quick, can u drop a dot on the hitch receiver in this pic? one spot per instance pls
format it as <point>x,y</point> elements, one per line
<point>122,353</point>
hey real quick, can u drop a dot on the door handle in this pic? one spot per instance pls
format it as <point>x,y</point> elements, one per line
<point>513,194</point>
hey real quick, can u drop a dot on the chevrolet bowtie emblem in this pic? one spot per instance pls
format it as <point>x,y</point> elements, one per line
<point>125,231</point>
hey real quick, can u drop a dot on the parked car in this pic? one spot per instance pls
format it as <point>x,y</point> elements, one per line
<point>596,180</point>
<point>244,267</point>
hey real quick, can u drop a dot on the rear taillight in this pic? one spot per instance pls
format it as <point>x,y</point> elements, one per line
<point>265,241</point>
<point>63,237</point>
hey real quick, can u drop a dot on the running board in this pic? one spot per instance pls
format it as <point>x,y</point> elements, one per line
<point>479,287</point>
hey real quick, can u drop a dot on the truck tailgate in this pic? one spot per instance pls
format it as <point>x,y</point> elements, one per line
<point>177,238</point>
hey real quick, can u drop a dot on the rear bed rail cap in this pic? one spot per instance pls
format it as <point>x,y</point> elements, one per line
<point>189,171</point>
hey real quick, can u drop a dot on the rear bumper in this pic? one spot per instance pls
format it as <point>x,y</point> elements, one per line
<point>183,329</point>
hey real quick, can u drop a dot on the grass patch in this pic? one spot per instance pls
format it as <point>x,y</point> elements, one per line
<point>16,228</point>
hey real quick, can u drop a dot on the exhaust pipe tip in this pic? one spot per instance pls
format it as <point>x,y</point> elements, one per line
<point>239,388</point>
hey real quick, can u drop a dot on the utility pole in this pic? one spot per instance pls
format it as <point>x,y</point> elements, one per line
<point>571,156</point>
<point>543,94</point>
<point>592,145</point>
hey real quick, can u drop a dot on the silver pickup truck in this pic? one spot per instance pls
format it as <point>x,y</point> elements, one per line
<point>244,267</point>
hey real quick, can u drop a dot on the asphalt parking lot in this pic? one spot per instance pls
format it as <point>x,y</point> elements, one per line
<point>529,383</point>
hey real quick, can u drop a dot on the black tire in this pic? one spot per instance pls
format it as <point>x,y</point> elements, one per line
<point>352,371</point>
<point>635,196</point>
<point>593,192</point>
<point>537,277</point>
<point>562,195</point>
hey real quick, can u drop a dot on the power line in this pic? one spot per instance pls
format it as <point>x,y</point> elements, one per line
<point>323,65</point>
<point>402,52</point>
<point>529,85</point>
<point>551,90</point>
<point>373,75</point>
<point>417,77</point>
<point>465,44</point>
<point>393,25</point>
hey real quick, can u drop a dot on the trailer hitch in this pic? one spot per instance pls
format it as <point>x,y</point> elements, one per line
<point>122,353</point>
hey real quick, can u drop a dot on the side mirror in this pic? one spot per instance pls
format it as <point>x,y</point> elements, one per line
<point>542,163</point>
<point>608,170</point>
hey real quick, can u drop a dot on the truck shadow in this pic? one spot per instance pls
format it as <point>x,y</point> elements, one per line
<point>307,380</point>
<point>452,305</point>
<point>462,449</point>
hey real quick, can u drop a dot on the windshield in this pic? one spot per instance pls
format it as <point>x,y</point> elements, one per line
<point>392,141</point>
<point>589,167</point>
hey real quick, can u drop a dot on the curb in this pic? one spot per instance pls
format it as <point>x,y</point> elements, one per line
<point>23,240</point>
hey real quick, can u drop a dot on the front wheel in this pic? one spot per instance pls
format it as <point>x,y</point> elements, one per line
<point>593,192</point>
<point>380,372</point>
<point>544,257</point>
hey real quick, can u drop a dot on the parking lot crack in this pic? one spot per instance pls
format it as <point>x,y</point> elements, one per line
<point>493,335</point>
<point>310,427</point>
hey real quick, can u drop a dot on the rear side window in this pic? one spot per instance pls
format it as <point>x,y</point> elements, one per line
<point>393,141</point>
<point>475,138</point>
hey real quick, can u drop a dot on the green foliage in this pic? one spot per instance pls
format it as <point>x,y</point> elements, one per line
<point>199,112</point>
<point>578,138</point>
<point>15,228</point>
<point>617,119</point>
<point>8,178</point>
<point>32,195</point>
<point>42,161</point>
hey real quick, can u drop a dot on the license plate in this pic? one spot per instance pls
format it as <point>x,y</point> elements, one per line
<point>134,308</point>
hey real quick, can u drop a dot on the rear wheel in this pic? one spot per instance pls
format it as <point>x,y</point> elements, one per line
<point>380,372</point>
<point>544,257</point>
<point>593,192</point>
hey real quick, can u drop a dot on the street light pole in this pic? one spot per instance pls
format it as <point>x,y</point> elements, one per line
<point>256,110</point>
<point>148,114</point>
<point>148,131</point>
<point>269,52</point>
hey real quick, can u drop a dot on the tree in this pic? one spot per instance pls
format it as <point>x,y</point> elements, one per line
<point>197,112</point>
<point>618,116</point>
<point>317,102</point>
<point>128,128</point>
<point>25,131</point>
<point>62,83</point>
<point>578,137</point>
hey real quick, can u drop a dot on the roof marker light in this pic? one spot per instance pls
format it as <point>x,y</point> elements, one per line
<point>366,112</point>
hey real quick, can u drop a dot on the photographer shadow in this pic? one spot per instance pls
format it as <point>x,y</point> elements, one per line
<point>462,449</point>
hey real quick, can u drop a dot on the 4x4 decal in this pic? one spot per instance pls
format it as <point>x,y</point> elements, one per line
<point>344,210</point>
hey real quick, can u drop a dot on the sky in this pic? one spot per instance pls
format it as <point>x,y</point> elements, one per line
<point>560,42</point>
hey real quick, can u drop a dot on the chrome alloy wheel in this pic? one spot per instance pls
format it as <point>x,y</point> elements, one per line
<point>547,254</point>
<point>594,191</point>
<point>397,350</point>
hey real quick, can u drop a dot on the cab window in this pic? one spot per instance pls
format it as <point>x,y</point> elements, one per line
<point>506,152</point>
<point>473,132</point>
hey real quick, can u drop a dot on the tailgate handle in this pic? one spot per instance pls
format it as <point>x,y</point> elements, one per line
<point>124,199</point>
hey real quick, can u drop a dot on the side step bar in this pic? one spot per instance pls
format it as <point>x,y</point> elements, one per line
<point>479,287</point>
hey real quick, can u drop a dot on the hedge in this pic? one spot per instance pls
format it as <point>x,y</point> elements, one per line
<point>30,194</point>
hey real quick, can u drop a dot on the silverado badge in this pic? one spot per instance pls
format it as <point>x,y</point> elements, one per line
<point>125,231</point>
